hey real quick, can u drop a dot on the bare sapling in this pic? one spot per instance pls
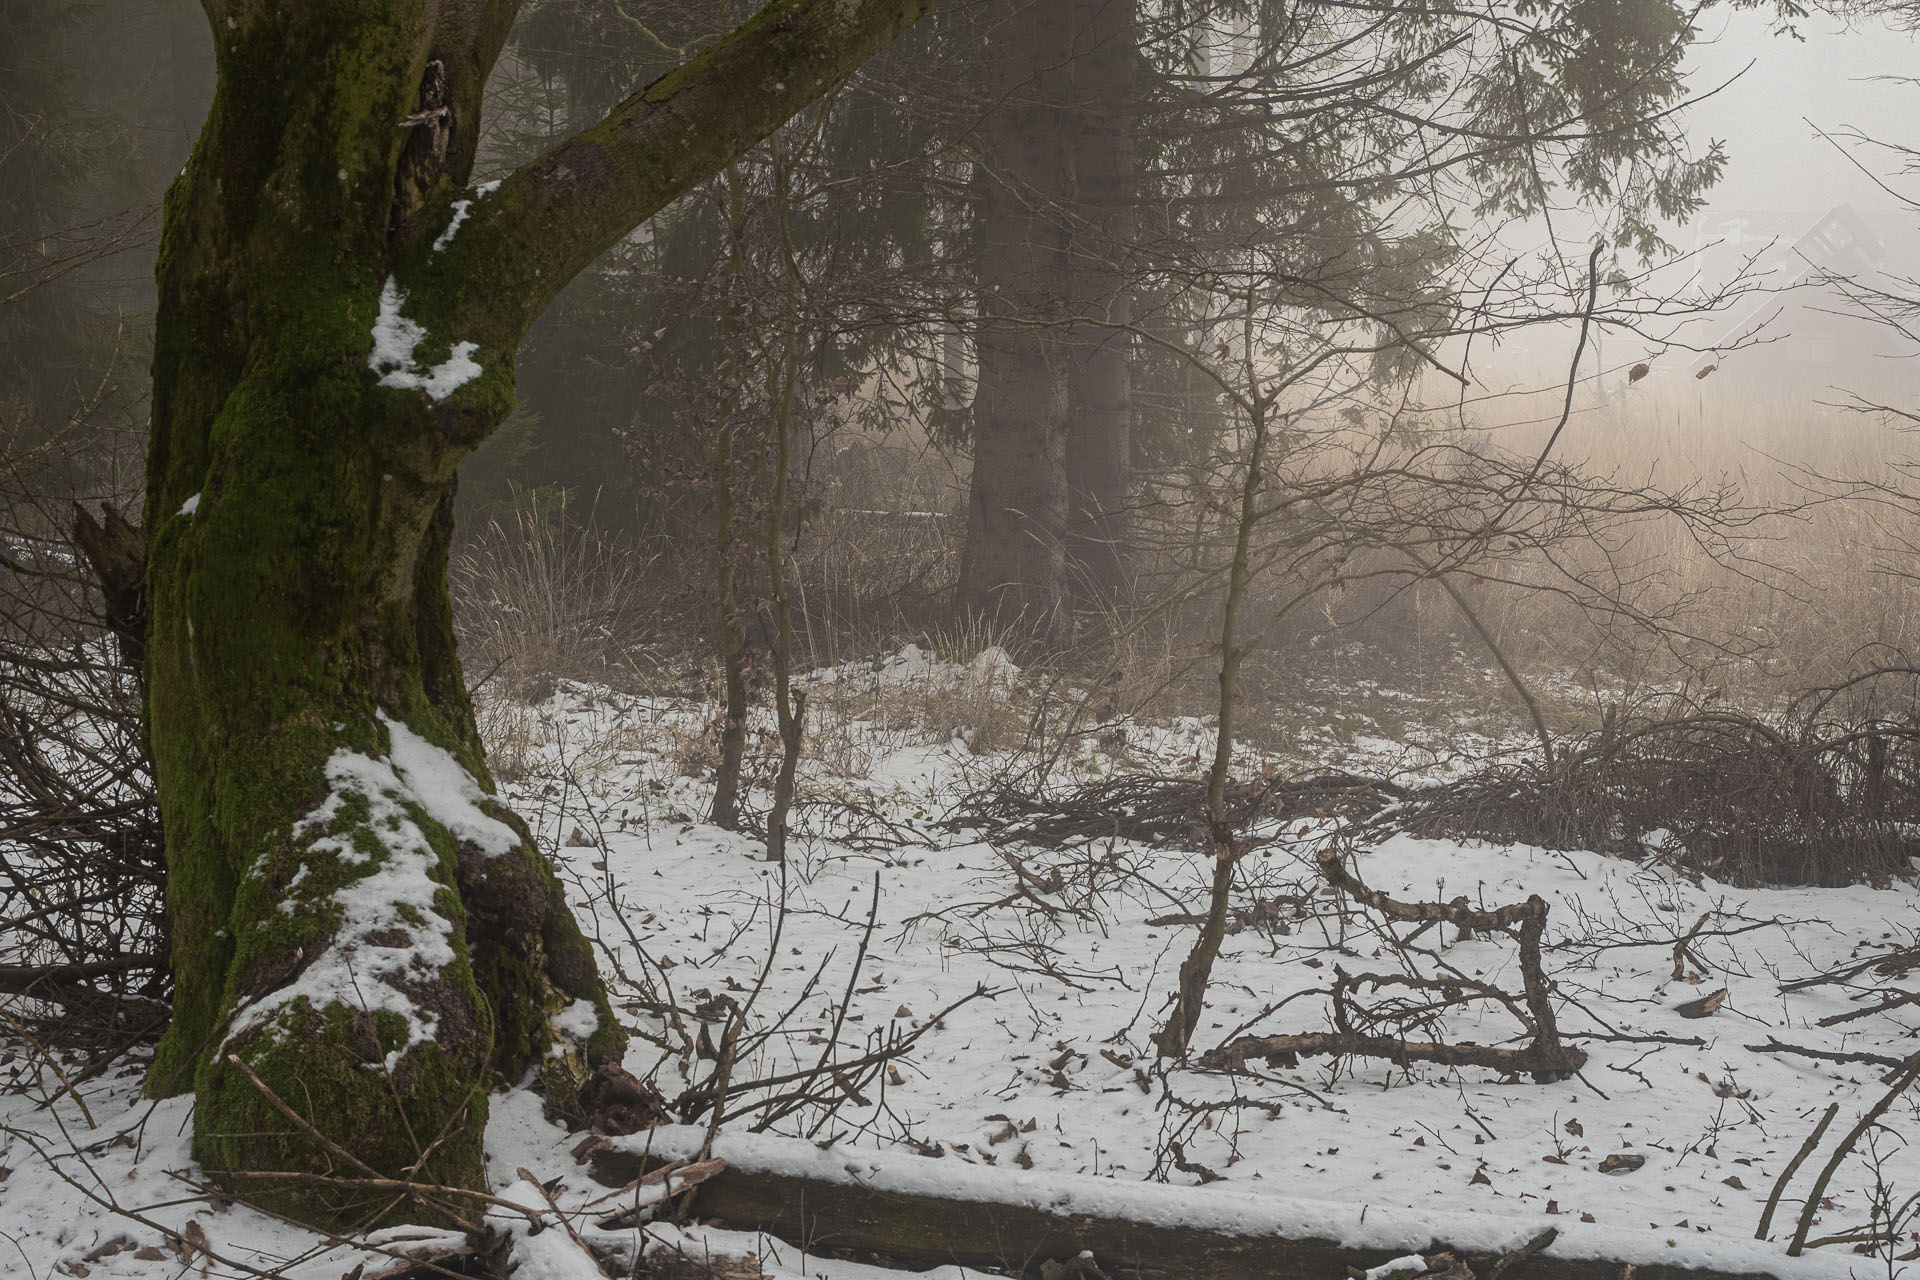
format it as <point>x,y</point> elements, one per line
<point>1197,968</point>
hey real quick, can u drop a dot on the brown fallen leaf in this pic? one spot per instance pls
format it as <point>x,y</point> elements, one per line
<point>1638,372</point>
<point>118,1244</point>
<point>1622,1162</point>
<point>1734,1182</point>
<point>1706,1006</point>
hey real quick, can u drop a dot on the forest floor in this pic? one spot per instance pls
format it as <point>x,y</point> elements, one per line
<point>916,983</point>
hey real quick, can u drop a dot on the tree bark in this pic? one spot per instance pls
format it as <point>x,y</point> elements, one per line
<point>363,937</point>
<point>1048,509</point>
<point>1012,575</point>
<point>1101,191</point>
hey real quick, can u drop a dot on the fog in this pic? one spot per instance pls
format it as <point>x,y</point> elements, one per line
<point>1771,97</point>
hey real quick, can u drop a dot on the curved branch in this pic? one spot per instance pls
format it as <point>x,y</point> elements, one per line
<point>553,216</point>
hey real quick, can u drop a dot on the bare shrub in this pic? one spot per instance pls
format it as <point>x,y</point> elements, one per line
<point>1715,791</point>
<point>83,942</point>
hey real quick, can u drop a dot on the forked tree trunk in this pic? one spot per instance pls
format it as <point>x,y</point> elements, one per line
<point>362,936</point>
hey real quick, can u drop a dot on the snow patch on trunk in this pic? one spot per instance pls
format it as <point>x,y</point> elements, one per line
<point>392,933</point>
<point>461,208</point>
<point>451,796</point>
<point>577,1022</point>
<point>394,340</point>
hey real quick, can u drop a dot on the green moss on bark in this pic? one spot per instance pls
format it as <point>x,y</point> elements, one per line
<point>302,594</point>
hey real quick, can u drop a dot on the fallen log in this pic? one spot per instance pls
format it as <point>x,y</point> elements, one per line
<point>906,1210</point>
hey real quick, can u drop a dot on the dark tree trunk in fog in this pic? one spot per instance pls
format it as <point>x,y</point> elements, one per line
<point>1013,572</point>
<point>1100,191</point>
<point>1047,519</point>
<point>359,928</point>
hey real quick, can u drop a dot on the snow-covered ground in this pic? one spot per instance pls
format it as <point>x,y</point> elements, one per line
<point>1035,979</point>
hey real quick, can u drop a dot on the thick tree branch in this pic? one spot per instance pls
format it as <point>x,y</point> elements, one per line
<point>555,215</point>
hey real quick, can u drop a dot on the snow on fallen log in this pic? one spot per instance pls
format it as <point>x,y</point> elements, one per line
<point>919,1212</point>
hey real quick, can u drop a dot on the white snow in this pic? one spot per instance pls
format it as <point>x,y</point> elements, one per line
<point>461,208</point>
<point>578,1021</point>
<point>1032,1097</point>
<point>550,1254</point>
<point>451,796</point>
<point>1431,1153</point>
<point>486,189</point>
<point>394,340</point>
<point>391,931</point>
<point>190,506</point>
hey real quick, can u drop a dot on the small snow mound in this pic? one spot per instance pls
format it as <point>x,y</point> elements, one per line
<point>993,666</point>
<point>578,1021</point>
<point>550,1254</point>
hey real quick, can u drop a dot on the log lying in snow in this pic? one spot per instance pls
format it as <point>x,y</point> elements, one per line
<point>911,1211</point>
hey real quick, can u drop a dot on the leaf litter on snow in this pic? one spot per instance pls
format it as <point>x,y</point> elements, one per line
<point>1674,1125</point>
<point>1674,1131</point>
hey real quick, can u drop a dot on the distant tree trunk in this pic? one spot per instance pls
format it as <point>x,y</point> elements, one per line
<point>725,811</point>
<point>1048,512</point>
<point>357,924</point>
<point>1013,570</point>
<point>1101,182</point>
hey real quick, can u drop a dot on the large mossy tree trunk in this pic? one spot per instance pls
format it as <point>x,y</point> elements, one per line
<point>365,941</point>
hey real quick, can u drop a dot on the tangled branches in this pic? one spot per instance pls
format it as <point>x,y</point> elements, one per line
<point>1388,1031</point>
<point>80,849</point>
<point>1161,811</point>
<point>1719,792</point>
